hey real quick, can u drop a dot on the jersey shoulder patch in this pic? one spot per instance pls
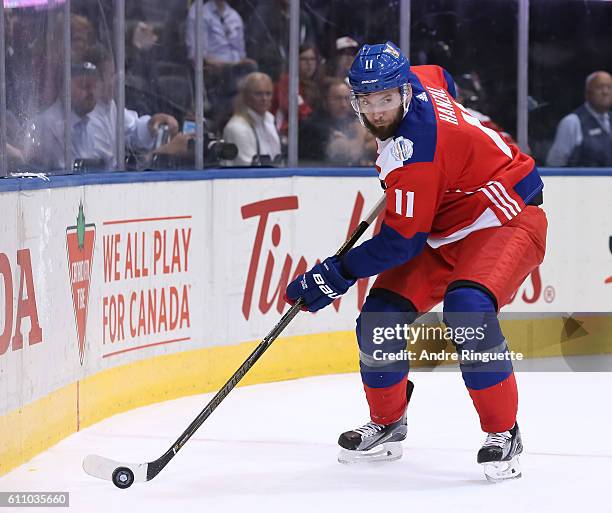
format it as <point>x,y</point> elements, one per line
<point>402,149</point>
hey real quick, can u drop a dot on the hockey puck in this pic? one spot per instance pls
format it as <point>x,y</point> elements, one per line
<point>123,477</point>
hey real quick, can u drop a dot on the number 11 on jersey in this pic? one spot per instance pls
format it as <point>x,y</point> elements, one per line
<point>408,211</point>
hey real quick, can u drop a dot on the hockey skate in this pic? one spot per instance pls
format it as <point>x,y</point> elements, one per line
<point>374,442</point>
<point>499,455</point>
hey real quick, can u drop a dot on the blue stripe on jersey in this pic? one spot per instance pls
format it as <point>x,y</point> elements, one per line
<point>450,84</point>
<point>419,124</point>
<point>384,251</point>
<point>529,186</point>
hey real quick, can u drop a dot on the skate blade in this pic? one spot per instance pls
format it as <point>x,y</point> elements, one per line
<point>498,471</point>
<point>388,451</point>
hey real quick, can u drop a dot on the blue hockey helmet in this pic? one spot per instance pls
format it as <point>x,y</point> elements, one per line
<point>378,68</point>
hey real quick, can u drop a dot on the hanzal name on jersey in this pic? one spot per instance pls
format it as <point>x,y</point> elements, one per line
<point>443,105</point>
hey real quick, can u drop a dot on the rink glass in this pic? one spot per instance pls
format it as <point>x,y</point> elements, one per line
<point>568,41</point>
<point>34,59</point>
<point>476,40</point>
<point>347,142</point>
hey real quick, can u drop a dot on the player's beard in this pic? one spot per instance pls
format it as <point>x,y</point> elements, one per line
<point>383,133</point>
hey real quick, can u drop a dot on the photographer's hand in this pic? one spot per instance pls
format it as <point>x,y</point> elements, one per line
<point>161,118</point>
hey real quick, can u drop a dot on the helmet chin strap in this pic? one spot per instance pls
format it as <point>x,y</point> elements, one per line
<point>406,92</point>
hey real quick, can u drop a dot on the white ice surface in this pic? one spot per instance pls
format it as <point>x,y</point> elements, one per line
<point>272,448</point>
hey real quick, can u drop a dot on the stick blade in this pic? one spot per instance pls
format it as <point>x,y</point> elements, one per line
<point>103,468</point>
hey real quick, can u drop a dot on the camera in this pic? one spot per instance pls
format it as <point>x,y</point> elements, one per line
<point>215,149</point>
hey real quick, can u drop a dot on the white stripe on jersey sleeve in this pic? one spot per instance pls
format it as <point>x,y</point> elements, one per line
<point>506,195</point>
<point>502,200</point>
<point>495,202</point>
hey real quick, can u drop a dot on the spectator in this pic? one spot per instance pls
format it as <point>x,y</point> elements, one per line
<point>309,89</point>
<point>333,134</point>
<point>155,48</point>
<point>82,36</point>
<point>268,36</point>
<point>142,48</point>
<point>45,140</point>
<point>225,59</point>
<point>222,33</point>
<point>140,131</point>
<point>49,57</point>
<point>252,128</point>
<point>100,14</point>
<point>345,51</point>
<point>583,136</point>
<point>163,22</point>
<point>92,122</point>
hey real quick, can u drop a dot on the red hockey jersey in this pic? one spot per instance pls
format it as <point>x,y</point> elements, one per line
<point>446,175</point>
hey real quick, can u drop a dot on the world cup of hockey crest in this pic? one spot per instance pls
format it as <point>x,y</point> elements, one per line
<point>402,149</point>
<point>80,242</point>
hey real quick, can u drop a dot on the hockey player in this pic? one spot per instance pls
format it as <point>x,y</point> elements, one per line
<point>462,226</point>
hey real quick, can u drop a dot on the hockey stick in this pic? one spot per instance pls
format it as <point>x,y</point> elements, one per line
<point>123,475</point>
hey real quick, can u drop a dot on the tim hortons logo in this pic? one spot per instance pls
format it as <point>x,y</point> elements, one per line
<point>26,306</point>
<point>271,239</point>
<point>269,295</point>
<point>80,242</point>
<point>532,289</point>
